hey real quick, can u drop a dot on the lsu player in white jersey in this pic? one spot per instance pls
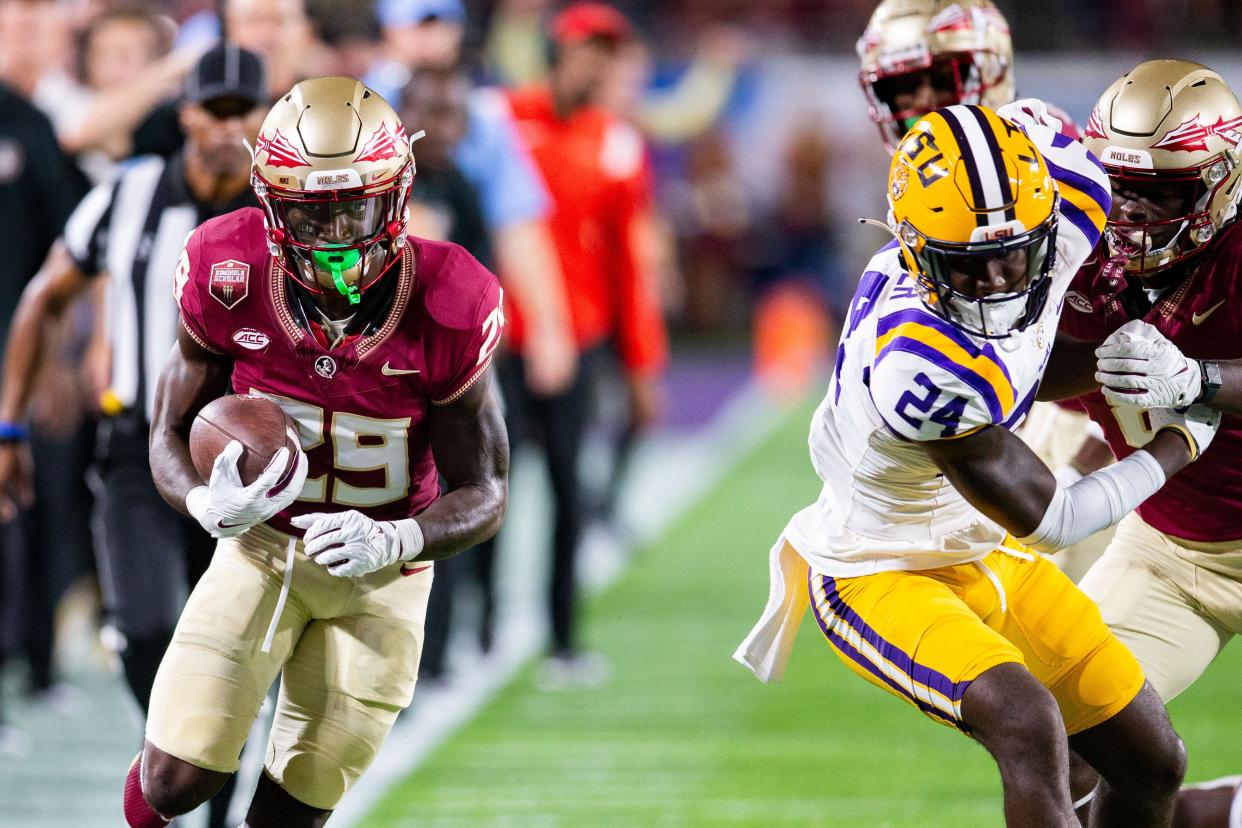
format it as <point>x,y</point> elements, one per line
<point>916,56</point>
<point>920,557</point>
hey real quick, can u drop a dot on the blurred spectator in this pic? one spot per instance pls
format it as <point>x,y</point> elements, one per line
<point>39,187</point>
<point>124,72</point>
<point>131,231</point>
<point>280,33</point>
<point>444,205</point>
<point>517,48</point>
<point>33,42</point>
<point>512,195</point>
<point>712,216</point>
<point>414,33</point>
<point>594,165</point>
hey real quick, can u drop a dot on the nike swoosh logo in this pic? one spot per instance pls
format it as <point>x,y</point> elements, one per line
<point>415,570</point>
<point>389,371</point>
<point>1197,318</point>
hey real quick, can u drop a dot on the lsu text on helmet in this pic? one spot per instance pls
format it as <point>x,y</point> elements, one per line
<point>1176,125</point>
<point>332,170</point>
<point>966,187</point>
<point>961,45</point>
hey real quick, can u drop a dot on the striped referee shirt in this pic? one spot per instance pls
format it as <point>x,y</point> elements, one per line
<point>132,228</point>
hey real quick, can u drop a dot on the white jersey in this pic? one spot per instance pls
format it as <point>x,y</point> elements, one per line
<point>905,375</point>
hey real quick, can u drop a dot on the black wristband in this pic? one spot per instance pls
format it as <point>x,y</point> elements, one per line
<point>1210,380</point>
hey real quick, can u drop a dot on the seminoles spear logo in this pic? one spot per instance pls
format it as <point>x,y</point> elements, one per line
<point>1095,126</point>
<point>230,282</point>
<point>382,144</point>
<point>280,153</point>
<point>955,18</point>
<point>1191,135</point>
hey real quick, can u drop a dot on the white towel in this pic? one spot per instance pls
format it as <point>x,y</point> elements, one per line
<point>766,650</point>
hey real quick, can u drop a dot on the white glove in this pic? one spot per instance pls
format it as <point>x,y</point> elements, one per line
<point>1138,366</point>
<point>1028,112</point>
<point>1197,424</point>
<point>350,544</point>
<point>226,508</point>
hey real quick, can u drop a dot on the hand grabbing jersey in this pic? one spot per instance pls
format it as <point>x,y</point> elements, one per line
<point>1138,366</point>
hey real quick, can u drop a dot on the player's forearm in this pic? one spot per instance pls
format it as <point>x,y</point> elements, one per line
<point>185,386</point>
<point>471,449</point>
<point>40,302</point>
<point>462,518</point>
<point>1105,496</point>
<point>1071,370</point>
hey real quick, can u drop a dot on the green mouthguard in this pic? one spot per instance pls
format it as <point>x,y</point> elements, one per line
<point>335,261</point>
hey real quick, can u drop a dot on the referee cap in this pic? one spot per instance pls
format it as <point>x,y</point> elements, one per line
<point>227,71</point>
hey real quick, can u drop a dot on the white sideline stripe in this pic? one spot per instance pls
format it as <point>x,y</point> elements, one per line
<point>685,473</point>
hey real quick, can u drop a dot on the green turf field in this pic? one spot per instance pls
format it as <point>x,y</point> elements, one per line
<point>685,736</point>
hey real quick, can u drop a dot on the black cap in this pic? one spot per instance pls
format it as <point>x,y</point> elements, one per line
<point>227,71</point>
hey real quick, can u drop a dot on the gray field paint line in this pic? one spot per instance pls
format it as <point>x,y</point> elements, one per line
<point>670,475</point>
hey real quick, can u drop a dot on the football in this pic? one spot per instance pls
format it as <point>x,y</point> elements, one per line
<point>257,423</point>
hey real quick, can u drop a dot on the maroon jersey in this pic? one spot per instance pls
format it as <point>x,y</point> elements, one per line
<point>361,407</point>
<point>1203,317</point>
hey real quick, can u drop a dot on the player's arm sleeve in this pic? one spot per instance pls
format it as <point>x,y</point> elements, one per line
<point>496,160</point>
<point>467,310</point>
<point>190,290</point>
<point>1086,195</point>
<point>86,230</point>
<point>642,339</point>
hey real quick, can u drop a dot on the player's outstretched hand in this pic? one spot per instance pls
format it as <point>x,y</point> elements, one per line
<point>225,507</point>
<point>1197,424</point>
<point>16,489</point>
<point>349,543</point>
<point>1138,366</point>
<point>1027,112</point>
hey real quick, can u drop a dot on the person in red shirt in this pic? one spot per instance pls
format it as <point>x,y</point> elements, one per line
<point>595,167</point>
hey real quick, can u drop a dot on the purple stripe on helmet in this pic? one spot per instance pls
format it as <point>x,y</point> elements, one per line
<point>966,375</point>
<point>862,661</point>
<point>1101,196</point>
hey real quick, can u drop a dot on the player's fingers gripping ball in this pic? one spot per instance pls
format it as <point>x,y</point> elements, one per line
<point>1138,366</point>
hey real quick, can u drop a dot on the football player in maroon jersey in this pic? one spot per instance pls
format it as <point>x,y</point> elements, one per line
<point>1161,293</point>
<point>377,345</point>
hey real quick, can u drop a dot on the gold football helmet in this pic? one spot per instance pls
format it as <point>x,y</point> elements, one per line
<point>963,46</point>
<point>1170,127</point>
<point>966,186</point>
<point>332,170</point>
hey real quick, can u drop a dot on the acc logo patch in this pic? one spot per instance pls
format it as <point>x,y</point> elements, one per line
<point>325,367</point>
<point>251,339</point>
<point>1078,302</point>
<point>230,282</point>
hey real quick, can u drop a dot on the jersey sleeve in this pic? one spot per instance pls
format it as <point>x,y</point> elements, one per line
<point>1086,196</point>
<point>929,382</point>
<point>190,290</point>
<point>466,306</point>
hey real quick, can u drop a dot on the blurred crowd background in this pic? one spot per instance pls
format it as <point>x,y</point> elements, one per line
<point>758,155</point>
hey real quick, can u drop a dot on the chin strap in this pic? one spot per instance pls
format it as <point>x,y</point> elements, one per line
<point>336,261</point>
